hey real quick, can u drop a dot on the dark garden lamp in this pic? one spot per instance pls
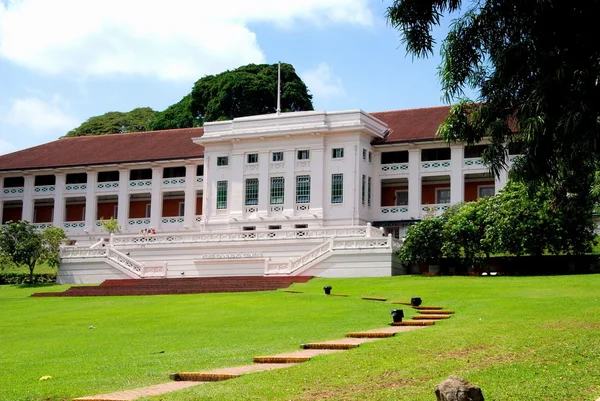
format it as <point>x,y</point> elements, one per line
<point>416,301</point>
<point>327,289</point>
<point>397,315</point>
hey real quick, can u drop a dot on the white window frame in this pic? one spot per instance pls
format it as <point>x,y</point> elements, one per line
<point>397,197</point>
<point>364,154</point>
<point>148,210</point>
<point>221,159</point>
<point>181,209</point>
<point>116,211</point>
<point>273,158</point>
<point>250,156</point>
<point>438,197</point>
<point>337,153</point>
<point>298,154</point>
<point>480,187</point>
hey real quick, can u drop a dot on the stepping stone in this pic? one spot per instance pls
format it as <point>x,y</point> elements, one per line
<point>414,323</point>
<point>430,317</point>
<point>428,307</point>
<point>294,292</point>
<point>402,303</point>
<point>345,343</point>
<point>374,299</point>
<point>384,332</point>
<point>129,395</point>
<point>337,295</point>
<point>436,312</point>
<point>227,373</point>
<point>294,357</point>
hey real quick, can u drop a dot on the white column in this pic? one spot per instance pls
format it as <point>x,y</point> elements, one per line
<point>263,183</point>
<point>59,200</point>
<point>28,204</point>
<point>414,183</point>
<point>317,189</point>
<point>376,189</point>
<point>236,189</point>
<point>123,200</point>
<point>500,181</point>
<point>207,191</point>
<point>156,198</point>
<point>189,212</point>
<point>91,203</point>
<point>289,197</point>
<point>457,178</point>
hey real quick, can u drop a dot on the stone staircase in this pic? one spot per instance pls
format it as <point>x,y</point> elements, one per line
<point>166,286</point>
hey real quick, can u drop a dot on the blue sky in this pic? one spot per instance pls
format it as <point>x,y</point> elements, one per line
<point>63,61</point>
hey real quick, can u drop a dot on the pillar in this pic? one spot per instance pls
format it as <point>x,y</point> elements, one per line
<point>156,198</point>
<point>91,203</point>
<point>28,198</point>
<point>457,179</point>
<point>59,200</point>
<point>289,196</point>
<point>414,183</point>
<point>263,183</point>
<point>189,213</point>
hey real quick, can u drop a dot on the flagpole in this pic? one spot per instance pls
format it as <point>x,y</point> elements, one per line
<point>278,88</point>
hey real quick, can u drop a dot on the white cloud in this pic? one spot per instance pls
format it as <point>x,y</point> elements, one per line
<point>322,82</point>
<point>39,116</point>
<point>6,147</point>
<point>175,40</point>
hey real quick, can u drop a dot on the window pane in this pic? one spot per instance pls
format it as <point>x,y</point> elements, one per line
<point>337,188</point>
<point>486,191</point>
<point>363,189</point>
<point>277,156</point>
<point>303,189</point>
<point>337,153</point>
<point>369,193</point>
<point>303,154</point>
<point>252,158</point>
<point>277,190</point>
<point>442,195</point>
<point>401,198</point>
<point>221,194</point>
<point>251,191</point>
<point>222,161</point>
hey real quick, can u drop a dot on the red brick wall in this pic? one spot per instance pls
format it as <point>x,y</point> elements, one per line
<point>428,192</point>
<point>137,209</point>
<point>12,213</point>
<point>171,207</point>
<point>471,189</point>
<point>43,214</point>
<point>74,213</point>
<point>198,206</point>
<point>388,194</point>
<point>106,210</point>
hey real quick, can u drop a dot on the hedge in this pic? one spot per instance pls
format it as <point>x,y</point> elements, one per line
<point>23,278</point>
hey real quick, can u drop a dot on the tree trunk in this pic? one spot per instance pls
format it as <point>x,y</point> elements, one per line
<point>31,267</point>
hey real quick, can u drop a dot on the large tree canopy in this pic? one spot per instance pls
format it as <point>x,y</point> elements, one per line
<point>114,122</point>
<point>178,115</point>
<point>247,91</point>
<point>536,67</point>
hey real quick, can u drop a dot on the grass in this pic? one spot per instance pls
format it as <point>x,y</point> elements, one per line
<point>41,268</point>
<point>519,338</point>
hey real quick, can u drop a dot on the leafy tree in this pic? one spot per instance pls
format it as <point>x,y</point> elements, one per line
<point>110,226</point>
<point>25,245</point>
<point>178,115</point>
<point>423,242</point>
<point>113,122</point>
<point>248,90</point>
<point>535,66</point>
<point>464,233</point>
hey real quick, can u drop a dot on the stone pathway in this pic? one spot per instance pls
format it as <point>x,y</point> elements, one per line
<point>263,363</point>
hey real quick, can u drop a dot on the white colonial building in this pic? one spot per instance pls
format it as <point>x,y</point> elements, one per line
<point>312,193</point>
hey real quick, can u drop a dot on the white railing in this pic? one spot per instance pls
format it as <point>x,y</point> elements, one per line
<point>75,252</point>
<point>435,165</point>
<point>13,191</point>
<point>334,244</point>
<point>107,186</point>
<point>99,244</point>
<point>42,226</point>
<point>172,220</point>
<point>174,182</point>
<point>124,261</point>
<point>140,184</point>
<point>473,163</point>
<point>394,168</point>
<point>371,231</point>
<point>75,187</point>
<point>257,235</point>
<point>44,189</point>
<point>393,210</point>
<point>74,224</point>
<point>138,222</point>
<point>435,209</point>
<point>199,180</point>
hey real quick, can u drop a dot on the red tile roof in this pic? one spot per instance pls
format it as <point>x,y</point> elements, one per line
<point>107,149</point>
<point>414,124</point>
<point>404,125</point>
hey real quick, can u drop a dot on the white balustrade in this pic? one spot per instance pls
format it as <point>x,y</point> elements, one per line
<point>251,209</point>
<point>140,184</point>
<point>394,210</point>
<point>172,220</point>
<point>438,165</point>
<point>395,168</point>
<point>173,182</point>
<point>13,191</point>
<point>199,180</point>
<point>434,209</point>
<point>44,189</point>
<point>74,224</point>
<point>107,186</point>
<point>124,261</point>
<point>74,252</point>
<point>301,207</point>
<point>42,226</point>
<point>138,222</point>
<point>75,188</point>
<point>473,163</point>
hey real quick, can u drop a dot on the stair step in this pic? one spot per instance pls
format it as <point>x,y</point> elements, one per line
<point>436,312</point>
<point>280,359</point>
<point>367,334</point>
<point>374,299</point>
<point>414,323</point>
<point>202,376</point>
<point>328,346</point>
<point>428,307</point>
<point>430,317</point>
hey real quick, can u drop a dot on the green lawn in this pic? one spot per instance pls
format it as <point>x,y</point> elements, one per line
<point>519,338</point>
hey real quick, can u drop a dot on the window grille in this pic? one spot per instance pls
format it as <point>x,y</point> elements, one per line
<point>303,189</point>
<point>277,190</point>
<point>337,188</point>
<point>251,191</point>
<point>221,194</point>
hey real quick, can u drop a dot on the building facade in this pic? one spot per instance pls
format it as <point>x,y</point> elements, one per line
<point>289,171</point>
